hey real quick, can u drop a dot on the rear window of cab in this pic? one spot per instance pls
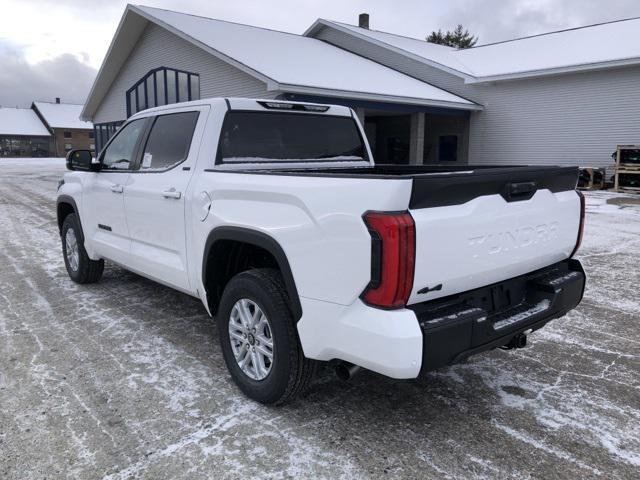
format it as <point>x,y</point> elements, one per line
<point>277,137</point>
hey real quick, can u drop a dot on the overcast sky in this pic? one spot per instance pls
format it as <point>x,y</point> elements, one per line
<point>53,48</point>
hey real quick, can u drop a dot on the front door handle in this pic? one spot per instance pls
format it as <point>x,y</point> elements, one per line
<point>117,188</point>
<point>172,193</point>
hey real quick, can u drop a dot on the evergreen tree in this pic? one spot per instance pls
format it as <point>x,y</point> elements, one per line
<point>459,38</point>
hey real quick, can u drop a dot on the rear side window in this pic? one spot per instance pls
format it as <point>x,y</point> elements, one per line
<point>274,137</point>
<point>169,141</point>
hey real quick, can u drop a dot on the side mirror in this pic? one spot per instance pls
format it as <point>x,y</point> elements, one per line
<point>81,160</point>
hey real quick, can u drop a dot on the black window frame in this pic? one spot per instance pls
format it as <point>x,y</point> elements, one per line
<point>67,134</point>
<point>105,129</point>
<point>133,93</point>
<point>219,161</point>
<point>146,133</point>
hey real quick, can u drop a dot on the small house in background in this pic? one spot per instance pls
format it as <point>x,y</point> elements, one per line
<point>22,134</point>
<point>67,130</point>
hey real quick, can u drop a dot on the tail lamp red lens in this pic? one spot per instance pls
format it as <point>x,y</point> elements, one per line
<point>581,228</point>
<point>393,252</point>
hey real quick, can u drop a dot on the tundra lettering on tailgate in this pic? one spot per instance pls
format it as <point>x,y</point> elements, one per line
<point>506,240</point>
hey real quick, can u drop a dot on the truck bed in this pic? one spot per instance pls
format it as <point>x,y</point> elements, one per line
<point>443,185</point>
<point>476,225</point>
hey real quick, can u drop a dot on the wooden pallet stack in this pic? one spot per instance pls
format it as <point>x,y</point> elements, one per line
<point>627,177</point>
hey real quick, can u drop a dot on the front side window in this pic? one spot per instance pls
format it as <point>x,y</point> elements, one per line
<point>274,137</point>
<point>169,141</point>
<point>119,153</point>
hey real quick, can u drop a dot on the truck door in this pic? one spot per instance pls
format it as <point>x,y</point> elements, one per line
<point>102,210</point>
<point>154,199</point>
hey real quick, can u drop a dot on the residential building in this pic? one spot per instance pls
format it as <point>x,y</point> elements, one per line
<point>22,134</point>
<point>68,132</point>
<point>566,97</point>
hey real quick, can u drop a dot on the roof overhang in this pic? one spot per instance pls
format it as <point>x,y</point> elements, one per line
<point>306,90</point>
<point>627,62</point>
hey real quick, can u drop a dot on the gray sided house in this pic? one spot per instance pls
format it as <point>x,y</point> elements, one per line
<point>562,98</point>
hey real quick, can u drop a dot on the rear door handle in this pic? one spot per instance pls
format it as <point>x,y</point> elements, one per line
<point>117,188</point>
<point>171,193</point>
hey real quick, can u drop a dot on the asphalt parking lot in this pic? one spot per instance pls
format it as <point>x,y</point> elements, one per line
<point>125,379</point>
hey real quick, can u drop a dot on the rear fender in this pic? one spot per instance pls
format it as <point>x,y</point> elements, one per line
<point>258,239</point>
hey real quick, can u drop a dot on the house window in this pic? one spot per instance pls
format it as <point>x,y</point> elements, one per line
<point>448,148</point>
<point>67,134</point>
<point>102,132</point>
<point>162,86</point>
<point>68,146</point>
<point>90,133</point>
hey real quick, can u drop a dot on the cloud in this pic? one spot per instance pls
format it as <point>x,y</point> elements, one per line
<point>498,20</point>
<point>47,60</point>
<point>64,76</point>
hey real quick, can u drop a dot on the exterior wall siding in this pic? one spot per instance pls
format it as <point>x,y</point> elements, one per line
<point>157,47</point>
<point>571,119</point>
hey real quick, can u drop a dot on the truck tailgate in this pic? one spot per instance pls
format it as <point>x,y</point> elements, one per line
<point>485,227</point>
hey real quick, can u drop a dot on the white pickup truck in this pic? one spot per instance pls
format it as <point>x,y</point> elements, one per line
<point>275,216</point>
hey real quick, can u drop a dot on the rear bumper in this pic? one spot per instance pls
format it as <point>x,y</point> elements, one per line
<point>406,342</point>
<point>462,325</point>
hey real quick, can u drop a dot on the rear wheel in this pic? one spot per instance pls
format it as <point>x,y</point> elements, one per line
<point>259,338</point>
<point>80,267</point>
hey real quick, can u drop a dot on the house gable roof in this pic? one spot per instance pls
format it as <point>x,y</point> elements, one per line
<point>284,61</point>
<point>21,121</point>
<point>438,56</point>
<point>61,115</point>
<point>586,48</point>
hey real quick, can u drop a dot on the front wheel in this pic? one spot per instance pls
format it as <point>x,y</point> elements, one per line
<point>80,267</point>
<point>259,339</point>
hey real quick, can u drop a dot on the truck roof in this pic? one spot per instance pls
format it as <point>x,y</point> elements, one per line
<point>257,104</point>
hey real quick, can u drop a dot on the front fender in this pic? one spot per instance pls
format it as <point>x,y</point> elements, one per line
<point>69,193</point>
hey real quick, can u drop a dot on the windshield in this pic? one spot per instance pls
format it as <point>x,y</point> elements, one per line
<point>275,137</point>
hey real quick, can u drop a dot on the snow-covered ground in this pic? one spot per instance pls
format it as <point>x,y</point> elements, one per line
<point>125,378</point>
<point>30,163</point>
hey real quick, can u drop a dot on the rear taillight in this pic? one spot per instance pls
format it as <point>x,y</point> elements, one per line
<point>393,251</point>
<point>581,227</point>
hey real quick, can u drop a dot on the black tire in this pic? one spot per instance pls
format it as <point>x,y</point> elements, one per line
<point>291,372</point>
<point>87,270</point>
